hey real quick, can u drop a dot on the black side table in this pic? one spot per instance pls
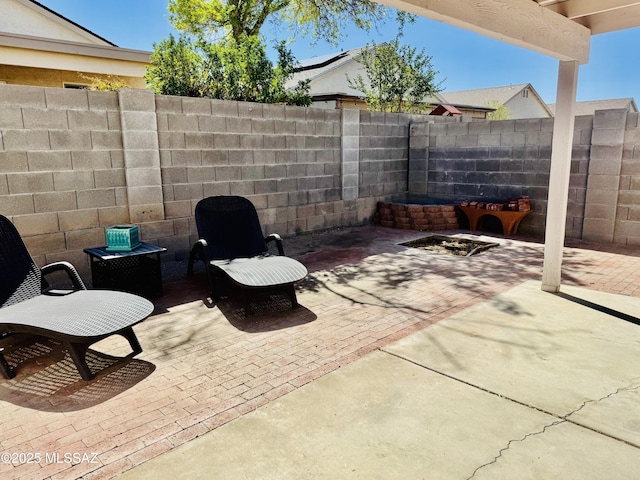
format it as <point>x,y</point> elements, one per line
<point>137,271</point>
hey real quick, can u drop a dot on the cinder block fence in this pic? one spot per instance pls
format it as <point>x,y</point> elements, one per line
<point>73,162</point>
<point>484,161</point>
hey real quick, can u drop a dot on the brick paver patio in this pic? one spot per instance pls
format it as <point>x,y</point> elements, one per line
<point>203,365</point>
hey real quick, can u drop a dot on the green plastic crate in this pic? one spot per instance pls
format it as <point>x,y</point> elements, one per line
<point>122,238</point>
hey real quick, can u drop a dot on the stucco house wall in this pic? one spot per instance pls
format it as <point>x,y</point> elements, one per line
<point>526,104</point>
<point>40,47</point>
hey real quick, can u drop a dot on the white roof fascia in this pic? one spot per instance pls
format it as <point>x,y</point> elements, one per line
<point>63,46</point>
<point>529,87</point>
<point>523,23</point>
<point>70,62</point>
<point>542,102</point>
<point>339,63</point>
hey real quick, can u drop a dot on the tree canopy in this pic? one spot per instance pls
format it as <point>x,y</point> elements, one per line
<point>398,78</point>
<point>321,18</point>
<point>500,113</point>
<point>227,70</point>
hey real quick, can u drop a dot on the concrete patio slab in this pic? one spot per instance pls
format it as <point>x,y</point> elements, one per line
<point>566,451</point>
<point>525,385</point>
<point>563,354</point>
<point>206,366</point>
<point>380,417</point>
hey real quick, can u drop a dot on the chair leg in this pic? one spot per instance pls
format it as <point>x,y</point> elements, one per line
<point>133,340</point>
<point>291,291</point>
<point>215,282</point>
<point>5,368</point>
<point>78,352</point>
<point>192,260</point>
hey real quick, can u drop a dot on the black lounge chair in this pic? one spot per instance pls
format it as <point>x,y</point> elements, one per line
<point>233,247</point>
<point>77,317</point>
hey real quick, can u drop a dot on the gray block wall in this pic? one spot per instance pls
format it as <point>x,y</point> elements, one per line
<point>73,162</point>
<point>62,168</point>
<point>490,161</point>
<point>627,226</point>
<point>384,153</point>
<point>286,160</point>
<point>499,160</point>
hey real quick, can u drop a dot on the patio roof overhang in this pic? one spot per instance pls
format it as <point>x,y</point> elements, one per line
<point>561,29</point>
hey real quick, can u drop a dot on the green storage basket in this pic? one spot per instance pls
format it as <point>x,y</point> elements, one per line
<point>122,238</point>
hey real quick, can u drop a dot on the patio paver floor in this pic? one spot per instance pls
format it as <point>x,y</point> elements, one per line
<point>202,367</point>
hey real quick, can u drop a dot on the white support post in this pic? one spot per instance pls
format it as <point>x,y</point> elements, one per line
<point>559,175</point>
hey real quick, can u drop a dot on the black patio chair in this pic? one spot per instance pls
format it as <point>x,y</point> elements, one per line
<point>233,248</point>
<point>77,317</point>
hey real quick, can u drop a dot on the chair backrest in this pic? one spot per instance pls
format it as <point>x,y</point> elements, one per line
<point>20,277</point>
<point>231,227</point>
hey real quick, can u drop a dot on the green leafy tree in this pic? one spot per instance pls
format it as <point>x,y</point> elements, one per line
<point>176,68</point>
<point>398,78</point>
<point>500,113</point>
<point>227,69</point>
<point>240,18</point>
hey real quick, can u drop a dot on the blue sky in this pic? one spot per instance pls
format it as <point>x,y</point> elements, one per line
<point>465,60</point>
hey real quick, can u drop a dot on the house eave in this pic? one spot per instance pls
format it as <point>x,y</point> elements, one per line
<point>74,48</point>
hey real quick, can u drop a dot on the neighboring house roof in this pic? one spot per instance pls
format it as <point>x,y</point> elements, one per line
<point>32,35</point>
<point>503,95</point>
<point>481,96</point>
<point>71,22</point>
<point>327,74</point>
<point>445,110</point>
<point>589,107</point>
<point>327,77</point>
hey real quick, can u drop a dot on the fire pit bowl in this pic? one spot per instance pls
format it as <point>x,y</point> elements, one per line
<point>450,245</point>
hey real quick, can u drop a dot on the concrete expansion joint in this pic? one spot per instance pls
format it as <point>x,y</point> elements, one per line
<point>563,419</point>
<point>634,385</point>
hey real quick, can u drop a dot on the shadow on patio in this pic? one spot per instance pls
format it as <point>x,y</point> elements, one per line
<point>203,367</point>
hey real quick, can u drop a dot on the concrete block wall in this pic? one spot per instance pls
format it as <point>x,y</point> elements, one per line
<point>384,153</point>
<point>286,160</point>
<point>62,168</point>
<point>497,160</point>
<point>73,162</point>
<point>350,153</point>
<point>627,227</point>
<point>579,177</point>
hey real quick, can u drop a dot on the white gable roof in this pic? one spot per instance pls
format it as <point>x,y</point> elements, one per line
<point>327,74</point>
<point>30,18</point>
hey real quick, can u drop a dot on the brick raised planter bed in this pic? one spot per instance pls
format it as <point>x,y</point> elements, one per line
<point>416,217</point>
